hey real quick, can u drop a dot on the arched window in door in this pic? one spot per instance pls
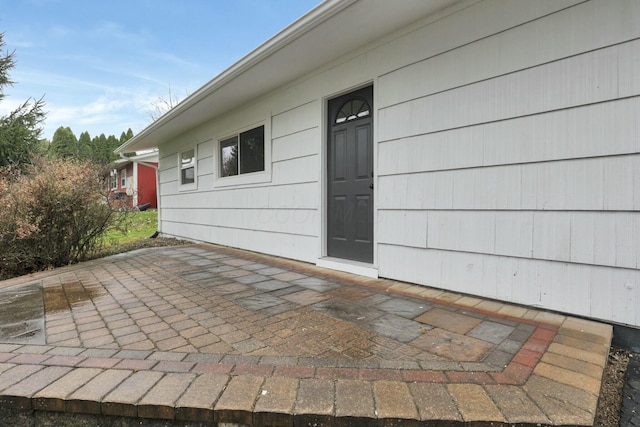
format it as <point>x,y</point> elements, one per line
<point>353,109</point>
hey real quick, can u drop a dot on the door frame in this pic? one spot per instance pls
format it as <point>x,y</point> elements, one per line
<point>357,267</point>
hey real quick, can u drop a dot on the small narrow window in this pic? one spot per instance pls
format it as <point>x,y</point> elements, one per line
<point>242,153</point>
<point>188,167</point>
<point>123,178</point>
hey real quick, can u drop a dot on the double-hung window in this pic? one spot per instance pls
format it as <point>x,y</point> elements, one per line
<point>123,178</point>
<point>242,153</point>
<point>188,167</point>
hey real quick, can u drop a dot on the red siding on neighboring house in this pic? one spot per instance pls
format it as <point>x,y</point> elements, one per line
<point>144,190</point>
<point>147,185</point>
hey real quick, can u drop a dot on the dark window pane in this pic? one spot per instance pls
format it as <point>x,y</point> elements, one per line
<point>229,157</point>
<point>188,175</point>
<point>252,150</point>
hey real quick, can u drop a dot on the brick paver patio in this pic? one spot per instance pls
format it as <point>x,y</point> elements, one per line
<point>207,334</point>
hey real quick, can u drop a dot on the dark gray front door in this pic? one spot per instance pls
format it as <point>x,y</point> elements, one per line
<point>350,175</point>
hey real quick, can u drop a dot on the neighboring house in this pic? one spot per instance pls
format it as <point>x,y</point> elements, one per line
<point>134,180</point>
<point>484,147</point>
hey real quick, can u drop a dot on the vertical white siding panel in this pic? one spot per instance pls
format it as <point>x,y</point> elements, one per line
<point>489,279</point>
<point>303,169</point>
<point>411,264</point>
<point>205,149</point>
<point>620,177</point>
<point>551,236</point>
<point>514,234</point>
<point>553,296</point>
<point>603,304</point>
<point>304,196</point>
<point>443,229</point>
<point>406,228</point>
<point>604,236</point>
<point>629,68</point>
<point>299,144</point>
<point>626,239</point>
<point>551,186</point>
<point>583,237</point>
<point>636,239</point>
<point>571,185</point>
<point>443,184</point>
<point>529,188</point>
<point>391,192</point>
<point>564,287</point>
<point>523,275</point>
<point>464,187</point>
<point>577,292</point>
<point>509,187</point>
<point>585,184</point>
<point>626,292</point>
<point>303,117</point>
<point>477,232</point>
<point>464,271</point>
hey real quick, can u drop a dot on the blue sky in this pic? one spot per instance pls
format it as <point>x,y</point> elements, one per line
<point>101,64</point>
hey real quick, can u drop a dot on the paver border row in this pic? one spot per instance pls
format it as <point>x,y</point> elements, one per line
<point>515,373</point>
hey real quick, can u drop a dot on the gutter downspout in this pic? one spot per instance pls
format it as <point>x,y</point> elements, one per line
<point>157,169</point>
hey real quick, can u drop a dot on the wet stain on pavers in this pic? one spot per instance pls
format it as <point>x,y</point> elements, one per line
<point>22,315</point>
<point>67,295</point>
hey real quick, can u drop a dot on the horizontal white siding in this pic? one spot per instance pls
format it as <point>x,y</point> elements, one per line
<point>279,244</point>
<point>301,144</point>
<point>588,78</point>
<point>594,130</point>
<point>600,292</point>
<point>303,222</point>
<point>509,167</point>
<point>294,120</point>
<point>300,196</point>
<point>603,183</point>
<point>299,169</point>
<point>546,39</point>
<point>599,238</point>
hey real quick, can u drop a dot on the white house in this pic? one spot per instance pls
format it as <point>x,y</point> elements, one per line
<point>484,147</point>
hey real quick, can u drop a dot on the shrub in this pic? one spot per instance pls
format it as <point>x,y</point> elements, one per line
<point>53,214</point>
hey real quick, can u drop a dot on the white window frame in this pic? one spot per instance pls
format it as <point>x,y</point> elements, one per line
<point>246,178</point>
<point>193,164</point>
<point>123,178</point>
<point>113,179</point>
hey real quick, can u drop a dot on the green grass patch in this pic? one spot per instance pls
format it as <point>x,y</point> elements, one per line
<point>138,225</point>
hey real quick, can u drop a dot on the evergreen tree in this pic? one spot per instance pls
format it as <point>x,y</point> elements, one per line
<point>85,149</point>
<point>112,143</point>
<point>101,153</point>
<point>64,144</point>
<point>19,130</point>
